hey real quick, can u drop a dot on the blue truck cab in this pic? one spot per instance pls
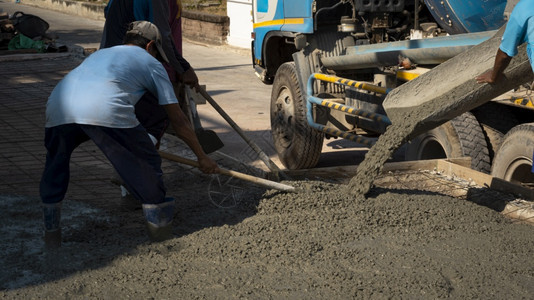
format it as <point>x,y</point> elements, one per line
<point>277,19</point>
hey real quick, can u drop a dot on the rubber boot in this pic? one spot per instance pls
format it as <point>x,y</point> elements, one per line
<point>159,219</point>
<point>52,228</point>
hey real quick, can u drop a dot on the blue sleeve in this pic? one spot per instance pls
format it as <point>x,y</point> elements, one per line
<point>514,35</point>
<point>143,10</point>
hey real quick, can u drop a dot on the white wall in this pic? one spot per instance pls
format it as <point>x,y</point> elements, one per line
<point>240,14</point>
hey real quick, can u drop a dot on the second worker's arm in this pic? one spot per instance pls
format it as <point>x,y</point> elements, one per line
<point>502,60</point>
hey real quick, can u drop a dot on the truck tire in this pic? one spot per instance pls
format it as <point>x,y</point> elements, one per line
<point>462,136</point>
<point>297,144</point>
<point>496,120</point>
<point>513,161</point>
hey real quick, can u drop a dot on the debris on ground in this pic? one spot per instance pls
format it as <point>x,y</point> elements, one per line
<point>25,33</point>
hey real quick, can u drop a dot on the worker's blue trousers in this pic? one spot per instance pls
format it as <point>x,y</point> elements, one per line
<point>129,150</point>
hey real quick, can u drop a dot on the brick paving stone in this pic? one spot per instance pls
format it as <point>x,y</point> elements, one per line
<point>25,88</point>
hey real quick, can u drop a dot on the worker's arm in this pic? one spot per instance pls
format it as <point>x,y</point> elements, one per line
<point>190,78</point>
<point>184,131</point>
<point>502,60</point>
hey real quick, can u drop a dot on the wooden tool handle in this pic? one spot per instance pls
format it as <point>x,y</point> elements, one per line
<point>246,177</point>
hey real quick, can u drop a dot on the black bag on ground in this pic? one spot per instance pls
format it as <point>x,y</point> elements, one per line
<point>29,25</point>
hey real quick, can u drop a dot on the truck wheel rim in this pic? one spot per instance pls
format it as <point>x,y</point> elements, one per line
<point>285,113</point>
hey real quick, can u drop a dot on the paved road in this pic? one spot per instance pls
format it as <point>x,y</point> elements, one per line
<point>229,78</point>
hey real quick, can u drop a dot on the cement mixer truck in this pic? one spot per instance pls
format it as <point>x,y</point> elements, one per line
<point>331,64</point>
